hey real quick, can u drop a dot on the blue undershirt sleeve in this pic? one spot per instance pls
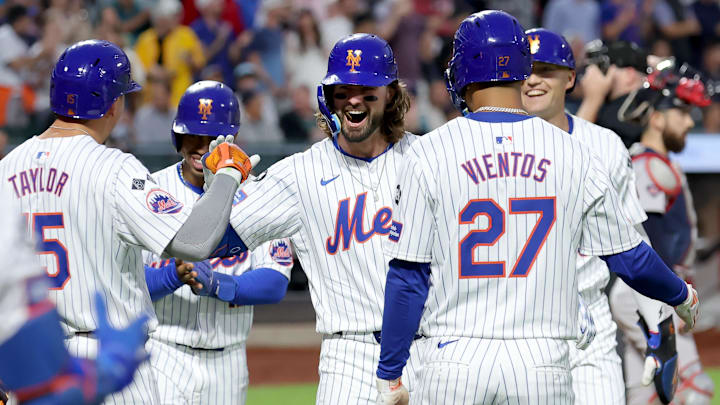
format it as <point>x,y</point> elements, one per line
<point>406,291</point>
<point>260,286</point>
<point>645,272</point>
<point>162,281</point>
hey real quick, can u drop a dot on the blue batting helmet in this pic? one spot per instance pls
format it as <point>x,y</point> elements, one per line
<point>489,46</point>
<point>358,59</point>
<point>207,108</point>
<point>549,47</point>
<point>88,78</point>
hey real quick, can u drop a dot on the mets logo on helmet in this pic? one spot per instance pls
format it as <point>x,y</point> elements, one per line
<point>353,59</point>
<point>534,43</point>
<point>281,253</point>
<point>161,202</point>
<point>205,107</point>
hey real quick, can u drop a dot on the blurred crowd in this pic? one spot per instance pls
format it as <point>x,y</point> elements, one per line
<point>273,53</point>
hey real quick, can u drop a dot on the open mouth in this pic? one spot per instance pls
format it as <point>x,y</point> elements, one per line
<point>355,118</point>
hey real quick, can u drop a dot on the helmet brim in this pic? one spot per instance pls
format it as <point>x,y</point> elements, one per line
<point>358,79</point>
<point>212,129</point>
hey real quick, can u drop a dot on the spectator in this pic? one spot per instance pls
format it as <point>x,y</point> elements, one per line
<point>266,47</point>
<point>404,29</point>
<point>255,126</point>
<point>299,123</point>
<point>172,46</point>
<point>676,22</point>
<point>222,48</point>
<point>627,20</point>
<point>305,58</point>
<point>153,120</point>
<point>17,98</point>
<point>230,13</point>
<point>708,14</point>
<point>248,80</point>
<point>523,10</point>
<point>71,18</point>
<point>711,68</point>
<point>339,22</point>
<point>134,17</point>
<point>576,20</point>
<point>661,47</point>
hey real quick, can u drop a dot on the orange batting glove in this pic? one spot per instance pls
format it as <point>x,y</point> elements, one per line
<point>225,154</point>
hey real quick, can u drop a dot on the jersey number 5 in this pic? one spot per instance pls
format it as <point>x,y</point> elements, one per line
<point>45,246</point>
<point>469,268</point>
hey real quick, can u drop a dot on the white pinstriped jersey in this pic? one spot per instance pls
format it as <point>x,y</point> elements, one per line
<point>204,322</point>
<point>499,210</point>
<point>93,209</point>
<point>17,257</point>
<point>336,210</point>
<point>593,273</point>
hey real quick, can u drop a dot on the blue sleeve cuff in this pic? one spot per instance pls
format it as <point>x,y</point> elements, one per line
<point>162,281</point>
<point>230,244</point>
<point>406,291</point>
<point>260,286</point>
<point>645,272</point>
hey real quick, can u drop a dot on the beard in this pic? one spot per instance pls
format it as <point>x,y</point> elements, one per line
<point>357,135</point>
<point>673,142</point>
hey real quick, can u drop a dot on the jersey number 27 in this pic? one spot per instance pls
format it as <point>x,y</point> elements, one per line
<point>469,268</point>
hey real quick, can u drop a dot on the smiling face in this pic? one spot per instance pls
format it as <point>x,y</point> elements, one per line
<point>543,93</point>
<point>192,148</point>
<point>360,109</point>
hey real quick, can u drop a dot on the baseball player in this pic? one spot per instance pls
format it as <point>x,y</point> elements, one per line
<point>663,107</point>
<point>203,330</point>
<point>93,209</point>
<point>495,205</point>
<point>34,363</point>
<point>334,203</point>
<point>597,371</point>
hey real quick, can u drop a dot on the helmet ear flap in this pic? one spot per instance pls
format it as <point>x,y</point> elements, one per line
<point>456,98</point>
<point>331,119</point>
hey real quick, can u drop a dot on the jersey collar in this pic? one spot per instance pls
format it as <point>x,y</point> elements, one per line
<point>196,189</point>
<point>337,146</point>
<point>497,116</point>
<point>571,123</point>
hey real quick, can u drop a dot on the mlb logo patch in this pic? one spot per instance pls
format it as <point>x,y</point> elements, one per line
<point>42,155</point>
<point>239,197</point>
<point>161,202</point>
<point>138,184</point>
<point>395,231</point>
<point>281,253</point>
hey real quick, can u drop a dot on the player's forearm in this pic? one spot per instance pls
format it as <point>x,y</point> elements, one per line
<point>162,281</point>
<point>643,270</point>
<point>204,228</point>
<point>260,286</point>
<point>405,293</point>
<point>589,108</point>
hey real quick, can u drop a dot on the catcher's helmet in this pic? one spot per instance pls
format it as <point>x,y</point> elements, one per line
<point>489,46</point>
<point>88,78</point>
<point>358,59</point>
<point>207,108</point>
<point>549,47</point>
<point>666,87</point>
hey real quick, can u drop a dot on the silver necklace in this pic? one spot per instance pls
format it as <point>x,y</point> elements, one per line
<point>72,129</point>
<point>488,108</point>
<point>373,189</point>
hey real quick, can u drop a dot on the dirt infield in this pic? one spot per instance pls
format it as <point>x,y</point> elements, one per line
<point>273,365</point>
<point>283,365</point>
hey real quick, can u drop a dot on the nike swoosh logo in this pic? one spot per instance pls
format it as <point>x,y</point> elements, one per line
<point>324,182</point>
<point>443,344</point>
